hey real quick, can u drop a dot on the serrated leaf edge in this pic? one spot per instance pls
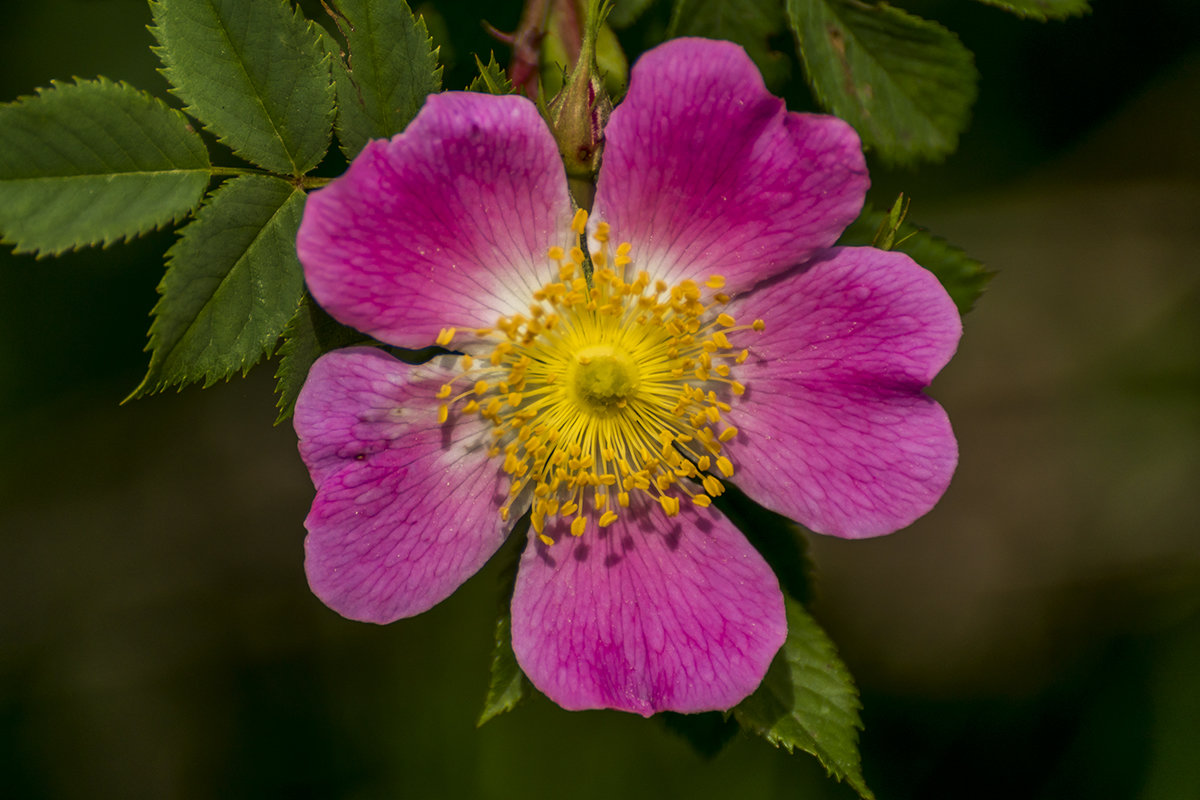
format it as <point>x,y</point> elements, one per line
<point>107,241</point>
<point>209,378</point>
<point>824,100</point>
<point>313,30</point>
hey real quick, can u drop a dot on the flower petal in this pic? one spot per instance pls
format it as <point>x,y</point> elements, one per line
<point>705,172</point>
<point>835,430</point>
<point>406,509</point>
<point>445,225</point>
<point>649,614</point>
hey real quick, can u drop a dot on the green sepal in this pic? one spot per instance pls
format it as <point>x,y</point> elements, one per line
<point>232,284</point>
<point>751,23</point>
<point>93,162</point>
<point>310,334</point>
<point>1043,10</point>
<point>492,79</point>
<point>906,84</point>
<point>963,277</point>
<point>390,67</point>
<point>254,72</point>
<point>507,684</point>
<point>808,701</point>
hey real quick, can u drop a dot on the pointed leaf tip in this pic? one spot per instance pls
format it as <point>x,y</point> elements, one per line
<point>232,284</point>
<point>808,701</point>
<point>93,162</point>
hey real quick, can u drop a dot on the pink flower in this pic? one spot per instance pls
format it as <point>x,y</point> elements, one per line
<point>721,338</point>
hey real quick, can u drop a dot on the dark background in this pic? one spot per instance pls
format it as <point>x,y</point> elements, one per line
<point>1036,636</point>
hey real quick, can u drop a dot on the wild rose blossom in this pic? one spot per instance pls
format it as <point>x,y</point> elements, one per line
<point>721,337</point>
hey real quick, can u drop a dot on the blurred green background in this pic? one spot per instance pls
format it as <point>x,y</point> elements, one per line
<point>1036,636</point>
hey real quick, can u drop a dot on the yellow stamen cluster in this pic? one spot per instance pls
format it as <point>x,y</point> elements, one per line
<point>607,388</point>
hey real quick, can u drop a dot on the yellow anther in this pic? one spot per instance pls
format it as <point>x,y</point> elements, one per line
<point>443,413</point>
<point>759,325</point>
<point>670,505</point>
<point>653,431</point>
<point>738,388</point>
<point>579,223</point>
<point>445,336</point>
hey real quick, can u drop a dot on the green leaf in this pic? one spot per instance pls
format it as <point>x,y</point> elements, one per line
<point>492,79</point>
<point>310,334</point>
<point>963,277</point>
<point>254,72</point>
<point>508,685</point>
<point>232,283</point>
<point>390,68</point>
<point>93,162</point>
<point>906,84</point>
<point>1043,10</point>
<point>808,701</point>
<point>750,23</point>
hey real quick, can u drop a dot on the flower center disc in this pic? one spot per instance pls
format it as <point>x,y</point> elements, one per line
<point>612,385</point>
<point>603,379</point>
